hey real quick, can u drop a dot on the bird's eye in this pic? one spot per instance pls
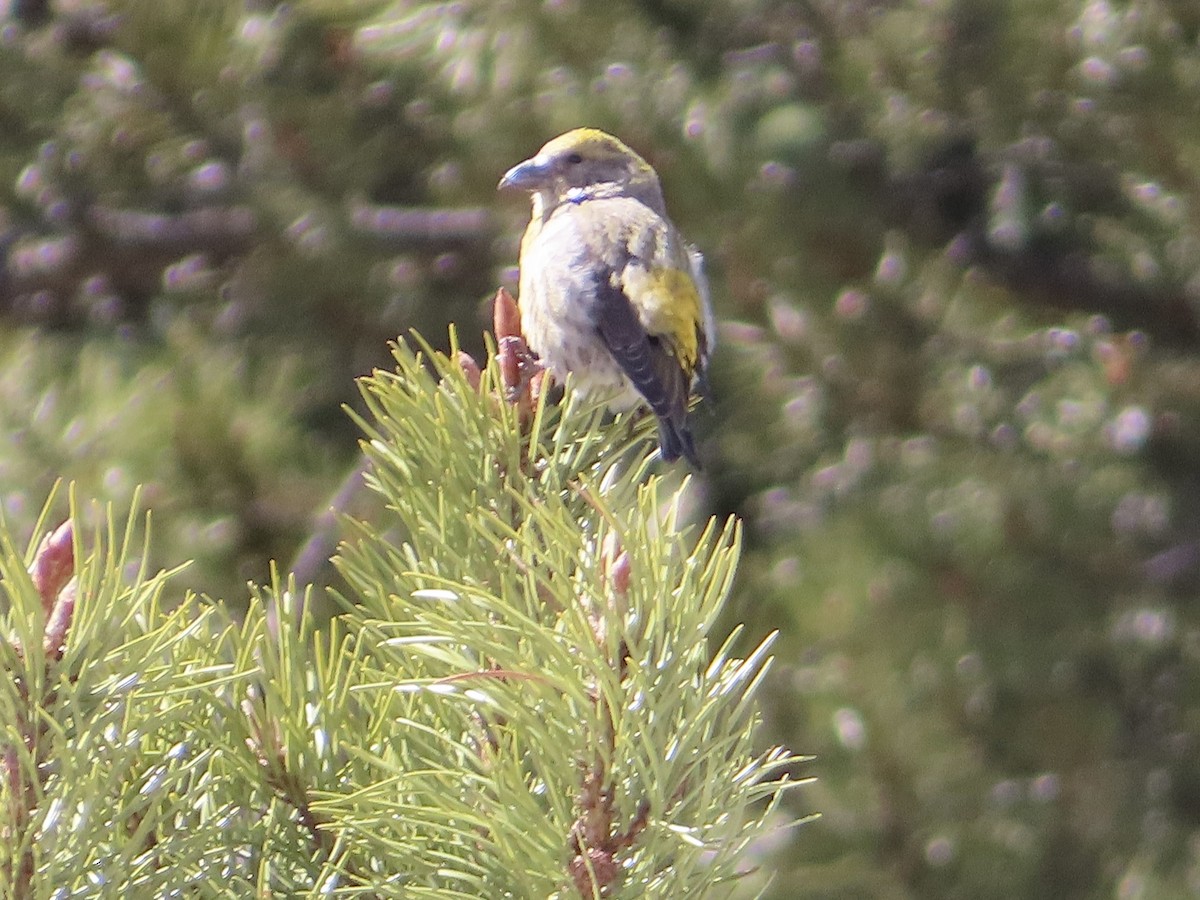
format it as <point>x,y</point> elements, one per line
<point>574,159</point>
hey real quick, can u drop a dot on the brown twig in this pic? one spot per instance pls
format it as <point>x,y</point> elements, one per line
<point>266,742</point>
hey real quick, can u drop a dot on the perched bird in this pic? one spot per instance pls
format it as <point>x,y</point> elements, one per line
<point>609,290</point>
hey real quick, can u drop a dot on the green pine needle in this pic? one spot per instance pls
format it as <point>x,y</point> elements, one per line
<point>520,698</point>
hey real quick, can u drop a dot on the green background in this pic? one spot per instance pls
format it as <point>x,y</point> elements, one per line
<point>955,255</point>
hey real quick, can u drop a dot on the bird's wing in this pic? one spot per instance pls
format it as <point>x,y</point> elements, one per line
<point>647,362</point>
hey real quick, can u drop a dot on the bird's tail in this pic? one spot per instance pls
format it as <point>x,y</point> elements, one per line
<point>675,440</point>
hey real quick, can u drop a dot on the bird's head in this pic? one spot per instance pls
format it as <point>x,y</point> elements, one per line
<point>584,163</point>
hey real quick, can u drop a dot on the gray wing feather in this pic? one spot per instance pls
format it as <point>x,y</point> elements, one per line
<point>650,367</point>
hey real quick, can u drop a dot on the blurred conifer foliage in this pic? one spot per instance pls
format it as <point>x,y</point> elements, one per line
<point>956,255</point>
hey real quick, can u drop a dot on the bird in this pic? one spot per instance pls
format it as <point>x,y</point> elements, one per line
<point>609,291</point>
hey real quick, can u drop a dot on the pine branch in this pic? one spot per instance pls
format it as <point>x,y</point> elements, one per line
<point>545,620</point>
<point>99,692</point>
<point>51,576</point>
<point>521,699</point>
